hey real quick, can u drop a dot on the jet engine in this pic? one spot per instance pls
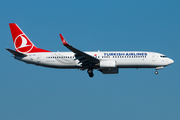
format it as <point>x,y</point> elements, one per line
<point>108,67</point>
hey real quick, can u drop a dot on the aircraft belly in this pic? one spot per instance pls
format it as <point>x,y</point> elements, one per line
<point>140,63</point>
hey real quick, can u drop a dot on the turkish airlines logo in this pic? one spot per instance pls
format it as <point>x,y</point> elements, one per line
<point>22,44</point>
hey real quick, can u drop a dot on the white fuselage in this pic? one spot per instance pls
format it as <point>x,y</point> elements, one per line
<point>122,59</point>
<point>107,62</point>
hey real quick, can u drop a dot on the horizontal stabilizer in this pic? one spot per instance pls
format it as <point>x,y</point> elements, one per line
<point>16,53</point>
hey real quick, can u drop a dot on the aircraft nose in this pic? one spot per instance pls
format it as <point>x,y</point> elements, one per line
<point>171,61</point>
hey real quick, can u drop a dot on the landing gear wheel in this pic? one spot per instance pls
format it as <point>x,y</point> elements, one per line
<point>90,72</point>
<point>156,72</point>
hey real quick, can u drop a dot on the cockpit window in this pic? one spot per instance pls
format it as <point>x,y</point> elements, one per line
<point>163,56</point>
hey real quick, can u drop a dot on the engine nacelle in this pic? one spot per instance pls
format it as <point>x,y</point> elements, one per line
<point>107,64</point>
<point>110,71</point>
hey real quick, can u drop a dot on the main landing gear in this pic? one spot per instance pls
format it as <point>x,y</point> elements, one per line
<point>90,71</point>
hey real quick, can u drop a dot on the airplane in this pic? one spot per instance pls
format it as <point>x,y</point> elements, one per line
<point>107,62</point>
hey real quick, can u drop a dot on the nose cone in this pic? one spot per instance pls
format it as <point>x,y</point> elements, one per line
<point>171,61</point>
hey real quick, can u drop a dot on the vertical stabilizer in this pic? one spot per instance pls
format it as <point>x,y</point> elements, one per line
<point>22,43</point>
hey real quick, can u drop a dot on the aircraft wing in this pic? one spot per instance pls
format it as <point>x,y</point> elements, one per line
<point>83,57</point>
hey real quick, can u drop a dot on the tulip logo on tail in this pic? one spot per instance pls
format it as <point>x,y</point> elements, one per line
<point>22,44</point>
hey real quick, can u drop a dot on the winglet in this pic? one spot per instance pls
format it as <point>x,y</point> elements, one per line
<point>63,40</point>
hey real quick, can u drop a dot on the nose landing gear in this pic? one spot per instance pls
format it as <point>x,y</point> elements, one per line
<point>158,68</point>
<point>156,72</point>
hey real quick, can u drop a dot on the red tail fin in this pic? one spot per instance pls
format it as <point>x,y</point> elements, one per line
<point>21,42</point>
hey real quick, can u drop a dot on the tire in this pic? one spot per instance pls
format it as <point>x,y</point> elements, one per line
<point>91,74</point>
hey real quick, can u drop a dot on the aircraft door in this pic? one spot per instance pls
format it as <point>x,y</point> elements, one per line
<point>38,58</point>
<point>153,57</point>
